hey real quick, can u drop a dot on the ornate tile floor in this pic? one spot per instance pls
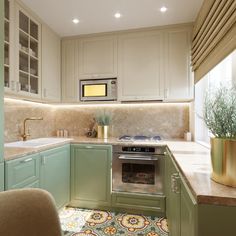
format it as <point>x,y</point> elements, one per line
<point>81,222</point>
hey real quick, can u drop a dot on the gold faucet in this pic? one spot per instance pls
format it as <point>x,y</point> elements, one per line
<point>25,135</point>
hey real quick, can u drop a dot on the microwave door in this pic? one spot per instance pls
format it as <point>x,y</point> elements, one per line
<point>94,92</point>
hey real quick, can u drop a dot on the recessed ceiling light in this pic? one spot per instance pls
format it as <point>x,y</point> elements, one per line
<point>163,9</point>
<point>117,15</point>
<point>75,21</point>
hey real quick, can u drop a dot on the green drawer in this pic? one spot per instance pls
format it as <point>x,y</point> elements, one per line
<point>22,172</point>
<point>139,203</point>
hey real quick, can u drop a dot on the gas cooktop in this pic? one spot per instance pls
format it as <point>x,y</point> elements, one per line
<point>139,138</point>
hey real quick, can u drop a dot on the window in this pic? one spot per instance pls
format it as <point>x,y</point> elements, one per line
<point>223,73</point>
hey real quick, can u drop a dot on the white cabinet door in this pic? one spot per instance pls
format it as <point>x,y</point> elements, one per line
<point>140,73</point>
<point>98,57</point>
<point>70,70</point>
<point>178,76</point>
<point>51,58</point>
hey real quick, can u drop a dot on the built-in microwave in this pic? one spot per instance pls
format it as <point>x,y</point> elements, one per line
<point>98,90</point>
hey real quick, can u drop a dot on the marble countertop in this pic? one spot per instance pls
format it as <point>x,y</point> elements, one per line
<point>11,153</point>
<point>192,159</point>
<point>194,163</point>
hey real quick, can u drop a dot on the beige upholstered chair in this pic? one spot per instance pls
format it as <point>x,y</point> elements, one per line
<point>28,212</point>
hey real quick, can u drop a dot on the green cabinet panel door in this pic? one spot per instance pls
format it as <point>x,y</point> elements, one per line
<point>188,212</point>
<point>139,203</point>
<point>1,177</point>
<point>22,172</point>
<point>55,174</point>
<point>172,197</point>
<point>91,176</point>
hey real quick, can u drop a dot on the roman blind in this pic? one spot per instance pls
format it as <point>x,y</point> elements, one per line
<point>214,35</point>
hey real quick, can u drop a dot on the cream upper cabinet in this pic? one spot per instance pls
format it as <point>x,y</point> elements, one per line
<point>8,46</point>
<point>27,54</point>
<point>178,76</point>
<point>51,62</point>
<point>140,63</point>
<point>22,65</point>
<point>98,57</point>
<point>70,70</point>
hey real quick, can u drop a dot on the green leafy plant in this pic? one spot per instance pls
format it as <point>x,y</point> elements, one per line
<point>220,112</point>
<point>103,118</point>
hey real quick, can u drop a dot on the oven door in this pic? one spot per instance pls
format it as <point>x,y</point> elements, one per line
<point>136,174</point>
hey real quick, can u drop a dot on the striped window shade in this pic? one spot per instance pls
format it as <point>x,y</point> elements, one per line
<point>214,35</point>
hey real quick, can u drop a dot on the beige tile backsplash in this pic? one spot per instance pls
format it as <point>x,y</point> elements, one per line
<point>17,111</point>
<point>168,120</point>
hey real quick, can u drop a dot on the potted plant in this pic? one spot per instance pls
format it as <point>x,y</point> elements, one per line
<point>103,120</point>
<point>220,118</point>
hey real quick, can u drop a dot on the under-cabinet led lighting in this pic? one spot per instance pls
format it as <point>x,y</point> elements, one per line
<point>75,21</point>
<point>92,105</point>
<point>163,9</point>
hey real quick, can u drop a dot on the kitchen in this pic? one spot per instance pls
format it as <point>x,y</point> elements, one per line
<point>119,95</point>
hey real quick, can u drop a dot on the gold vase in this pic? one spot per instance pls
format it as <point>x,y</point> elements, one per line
<point>223,159</point>
<point>103,132</point>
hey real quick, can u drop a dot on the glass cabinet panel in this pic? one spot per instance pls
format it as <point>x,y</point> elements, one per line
<point>24,81</point>
<point>28,54</point>
<point>6,44</point>
<point>23,22</point>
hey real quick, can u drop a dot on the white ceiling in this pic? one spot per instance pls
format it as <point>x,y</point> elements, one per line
<point>97,15</point>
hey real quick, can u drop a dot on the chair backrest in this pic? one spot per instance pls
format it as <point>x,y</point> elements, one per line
<point>28,212</point>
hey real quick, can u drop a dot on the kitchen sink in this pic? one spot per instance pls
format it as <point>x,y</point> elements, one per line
<point>36,143</point>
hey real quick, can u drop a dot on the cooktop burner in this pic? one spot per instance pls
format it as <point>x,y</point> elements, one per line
<point>141,137</point>
<point>138,138</point>
<point>125,138</point>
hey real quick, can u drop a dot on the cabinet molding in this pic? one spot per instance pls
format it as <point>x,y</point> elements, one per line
<point>22,172</point>
<point>140,74</point>
<point>51,65</point>
<point>70,54</point>
<point>98,57</point>
<point>55,173</point>
<point>178,75</point>
<point>91,176</point>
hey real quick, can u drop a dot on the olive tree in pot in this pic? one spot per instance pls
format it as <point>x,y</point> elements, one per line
<point>220,118</point>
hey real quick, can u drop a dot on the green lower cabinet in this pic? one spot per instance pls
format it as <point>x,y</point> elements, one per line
<point>1,177</point>
<point>180,204</point>
<point>188,218</point>
<point>22,172</point>
<point>91,176</point>
<point>216,220</point>
<point>139,203</point>
<point>172,183</point>
<point>188,207</point>
<point>55,174</point>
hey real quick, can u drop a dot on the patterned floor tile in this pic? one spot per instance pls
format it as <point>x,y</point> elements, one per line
<point>83,222</point>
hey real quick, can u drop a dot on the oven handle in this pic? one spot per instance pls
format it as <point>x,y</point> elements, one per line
<point>137,158</point>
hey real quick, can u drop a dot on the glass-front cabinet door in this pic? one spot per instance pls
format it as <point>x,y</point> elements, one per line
<point>28,63</point>
<point>7,44</point>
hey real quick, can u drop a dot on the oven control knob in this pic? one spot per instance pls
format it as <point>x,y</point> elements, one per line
<point>134,149</point>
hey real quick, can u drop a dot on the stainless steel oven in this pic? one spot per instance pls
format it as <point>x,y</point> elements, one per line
<point>138,169</point>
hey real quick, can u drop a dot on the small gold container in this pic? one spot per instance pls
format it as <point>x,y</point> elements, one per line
<point>103,132</point>
<point>223,159</point>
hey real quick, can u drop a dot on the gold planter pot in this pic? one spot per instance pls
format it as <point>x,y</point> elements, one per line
<point>223,159</point>
<point>103,132</point>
